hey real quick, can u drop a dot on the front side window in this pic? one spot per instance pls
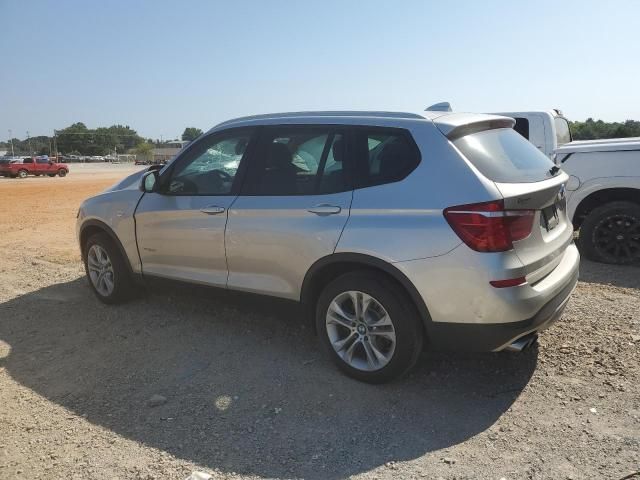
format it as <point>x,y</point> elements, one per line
<point>28,160</point>
<point>210,167</point>
<point>298,162</point>
<point>563,134</point>
<point>42,160</point>
<point>390,156</point>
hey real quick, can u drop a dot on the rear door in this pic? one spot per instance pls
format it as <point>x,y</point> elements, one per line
<point>292,208</point>
<point>528,180</point>
<point>180,228</point>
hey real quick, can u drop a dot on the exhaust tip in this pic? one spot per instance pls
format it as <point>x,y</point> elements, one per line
<point>522,343</point>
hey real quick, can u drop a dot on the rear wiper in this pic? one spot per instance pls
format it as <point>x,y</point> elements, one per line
<point>553,170</point>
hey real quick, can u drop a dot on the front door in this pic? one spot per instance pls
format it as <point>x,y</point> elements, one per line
<point>180,229</point>
<point>291,211</point>
<point>41,166</point>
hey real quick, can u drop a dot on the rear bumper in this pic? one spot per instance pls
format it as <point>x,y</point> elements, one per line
<point>498,336</point>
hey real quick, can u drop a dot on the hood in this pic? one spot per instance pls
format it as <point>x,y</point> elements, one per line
<point>601,145</point>
<point>128,183</point>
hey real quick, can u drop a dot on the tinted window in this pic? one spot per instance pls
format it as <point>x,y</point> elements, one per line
<point>210,167</point>
<point>522,127</point>
<point>389,156</point>
<point>563,134</point>
<point>502,155</point>
<point>298,162</point>
<point>42,160</point>
<point>28,160</point>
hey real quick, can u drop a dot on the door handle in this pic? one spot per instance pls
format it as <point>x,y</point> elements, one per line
<point>212,210</point>
<point>325,209</point>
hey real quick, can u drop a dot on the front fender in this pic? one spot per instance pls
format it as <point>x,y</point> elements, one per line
<point>115,210</point>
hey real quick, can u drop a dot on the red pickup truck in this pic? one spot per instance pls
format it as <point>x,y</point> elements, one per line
<point>33,166</point>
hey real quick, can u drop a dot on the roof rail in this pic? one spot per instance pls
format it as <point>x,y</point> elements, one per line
<point>338,113</point>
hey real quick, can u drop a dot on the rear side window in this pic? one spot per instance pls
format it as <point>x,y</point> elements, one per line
<point>563,134</point>
<point>387,156</point>
<point>298,161</point>
<point>504,156</point>
<point>522,127</point>
<point>27,160</point>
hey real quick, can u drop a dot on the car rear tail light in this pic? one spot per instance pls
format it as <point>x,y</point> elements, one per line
<point>488,227</point>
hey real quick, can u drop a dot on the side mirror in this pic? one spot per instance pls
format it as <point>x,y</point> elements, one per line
<point>148,181</point>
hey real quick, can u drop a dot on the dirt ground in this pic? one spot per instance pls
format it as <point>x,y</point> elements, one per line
<point>237,387</point>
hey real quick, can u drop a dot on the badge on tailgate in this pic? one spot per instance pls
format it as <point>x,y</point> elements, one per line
<point>550,217</point>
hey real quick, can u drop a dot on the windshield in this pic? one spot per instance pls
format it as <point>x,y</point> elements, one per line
<point>563,134</point>
<point>504,156</point>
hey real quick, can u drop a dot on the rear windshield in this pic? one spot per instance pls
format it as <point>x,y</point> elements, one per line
<point>504,156</point>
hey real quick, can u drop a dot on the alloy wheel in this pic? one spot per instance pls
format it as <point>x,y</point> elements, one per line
<point>618,237</point>
<point>360,331</point>
<point>100,270</point>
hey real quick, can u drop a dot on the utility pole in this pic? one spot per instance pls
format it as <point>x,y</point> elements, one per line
<point>29,142</point>
<point>11,141</point>
<point>55,143</point>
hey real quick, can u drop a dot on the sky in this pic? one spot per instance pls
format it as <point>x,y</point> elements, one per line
<point>160,66</point>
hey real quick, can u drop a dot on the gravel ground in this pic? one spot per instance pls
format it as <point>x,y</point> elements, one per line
<point>236,386</point>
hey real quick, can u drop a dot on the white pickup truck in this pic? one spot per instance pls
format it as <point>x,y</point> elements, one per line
<point>603,192</point>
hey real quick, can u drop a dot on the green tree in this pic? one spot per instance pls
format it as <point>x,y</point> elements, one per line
<point>191,133</point>
<point>592,129</point>
<point>144,150</point>
<point>101,141</point>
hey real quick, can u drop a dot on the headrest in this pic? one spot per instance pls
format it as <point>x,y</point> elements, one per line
<point>338,150</point>
<point>279,156</point>
<point>393,159</point>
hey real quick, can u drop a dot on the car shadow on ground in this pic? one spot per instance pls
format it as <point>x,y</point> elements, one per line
<point>247,388</point>
<point>626,276</point>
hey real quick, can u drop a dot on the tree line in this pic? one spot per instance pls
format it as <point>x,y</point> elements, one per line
<point>77,139</point>
<point>592,129</point>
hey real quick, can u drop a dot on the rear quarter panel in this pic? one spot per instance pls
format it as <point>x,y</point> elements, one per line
<point>404,220</point>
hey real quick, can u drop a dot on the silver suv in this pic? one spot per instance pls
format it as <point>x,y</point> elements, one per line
<point>399,231</point>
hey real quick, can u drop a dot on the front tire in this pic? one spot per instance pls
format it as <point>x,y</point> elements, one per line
<point>611,233</point>
<point>369,327</point>
<point>106,270</point>
<point>62,172</point>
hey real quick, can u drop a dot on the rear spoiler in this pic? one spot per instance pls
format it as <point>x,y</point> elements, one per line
<point>458,125</point>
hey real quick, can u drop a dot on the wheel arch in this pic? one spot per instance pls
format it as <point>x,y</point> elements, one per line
<point>601,197</point>
<point>332,266</point>
<point>92,227</point>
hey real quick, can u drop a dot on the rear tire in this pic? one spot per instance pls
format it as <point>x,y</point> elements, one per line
<point>383,342</point>
<point>22,174</point>
<point>109,277</point>
<point>611,233</point>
